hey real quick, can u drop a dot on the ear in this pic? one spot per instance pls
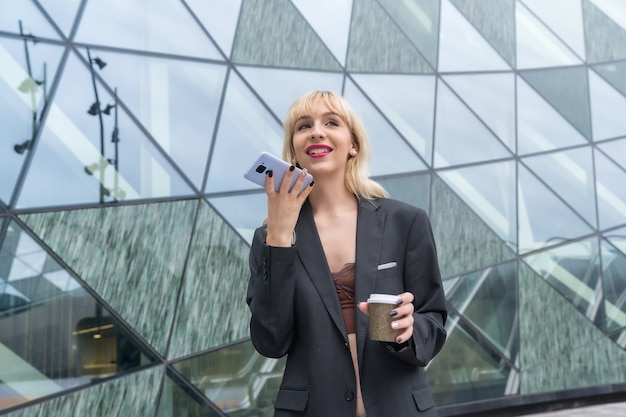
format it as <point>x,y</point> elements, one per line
<point>354,150</point>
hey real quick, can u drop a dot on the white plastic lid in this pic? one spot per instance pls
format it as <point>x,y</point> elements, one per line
<point>382,298</point>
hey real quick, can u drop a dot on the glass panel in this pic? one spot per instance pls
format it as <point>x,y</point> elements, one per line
<point>605,39</point>
<point>139,25</point>
<point>490,191</point>
<point>280,88</point>
<point>132,256</point>
<point>614,282</point>
<point>613,8</point>
<point>537,46</point>
<point>574,271</point>
<point>607,104</point>
<point>467,369</point>
<point>54,335</point>
<point>212,310</point>
<point>246,128</point>
<point>419,20</point>
<point>615,74</point>
<point>615,150</point>
<point>236,378</point>
<point>408,102</point>
<point>63,12</point>
<point>544,220</point>
<point>26,70</point>
<point>265,24</point>
<point>412,189</point>
<point>178,400</point>
<point>570,175</point>
<point>460,137</point>
<point>25,18</point>
<point>176,101</point>
<point>467,243</point>
<point>331,20</point>
<point>564,18</point>
<point>539,126</point>
<point>236,211</point>
<point>492,98</point>
<point>219,18</point>
<point>462,47</point>
<point>610,180</point>
<point>391,154</point>
<point>567,89</point>
<point>93,147</point>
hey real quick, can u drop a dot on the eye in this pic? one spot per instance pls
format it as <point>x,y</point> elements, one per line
<point>332,123</point>
<point>302,126</point>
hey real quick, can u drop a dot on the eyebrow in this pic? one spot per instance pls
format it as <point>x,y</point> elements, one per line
<point>328,113</point>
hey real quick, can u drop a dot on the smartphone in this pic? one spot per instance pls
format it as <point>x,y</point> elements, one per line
<point>268,162</point>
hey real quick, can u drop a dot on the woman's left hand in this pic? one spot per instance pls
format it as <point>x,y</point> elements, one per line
<point>403,316</point>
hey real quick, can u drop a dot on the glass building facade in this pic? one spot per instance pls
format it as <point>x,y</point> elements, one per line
<point>125,220</point>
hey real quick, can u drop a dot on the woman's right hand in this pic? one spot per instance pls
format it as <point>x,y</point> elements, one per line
<point>283,206</point>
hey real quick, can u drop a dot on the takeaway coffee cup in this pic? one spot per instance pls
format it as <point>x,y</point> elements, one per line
<point>380,321</point>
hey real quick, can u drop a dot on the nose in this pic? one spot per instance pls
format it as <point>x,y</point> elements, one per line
<point>317,132</point>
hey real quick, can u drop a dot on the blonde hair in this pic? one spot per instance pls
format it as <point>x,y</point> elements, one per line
<point>357,169</point>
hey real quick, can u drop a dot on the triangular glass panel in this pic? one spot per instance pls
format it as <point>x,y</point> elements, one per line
<point>607,109</point>
<point>391,154</point>
<point>467,243</point>
<point>570,175</point>
<point>614,9</point>
<point>63,12</point>
<point>279,88</point>
<point>615,150</point>
<point>163,94</point>
<point>537,46</point>
<point>408,102</point>
<point>460,137</point>
<point>564,18</point>
<point>614,73</point>
<point>25,73</point>
<point>118,251</point>
<point>567,90</point>
<point>225,376</point>
<point>178,399</point>
<point>413,189</point>
<point>270,33</point>
<point>23,17</point>
<point>246,128</point>
<point>544,220</point>
<point>492,98</point>
<point>211,311</point>
<point>498,29</point>
<point>99,153</point>
<point>222,25</point>
<point>574,271</point>
<point>377,44</point>
<point>489,190</point>
<point>55,334</point>
<point>419,20</point>
<point>467,359</point>
<point>614,284</point>
<point>331,20</point>
<point>610,180</point>
<point>488,299</point>
<point>133,26</point>
<point>605,39</point>
<point>235,209</point>
<point>462,47</point>
<point>539,126</point>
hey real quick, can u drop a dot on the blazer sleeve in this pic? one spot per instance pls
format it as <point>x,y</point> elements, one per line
<point>270,296</point>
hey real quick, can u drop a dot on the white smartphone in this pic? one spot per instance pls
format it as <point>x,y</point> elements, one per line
<point>268,162</point>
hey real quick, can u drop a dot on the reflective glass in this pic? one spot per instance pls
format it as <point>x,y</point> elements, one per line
<point>391,154</point>
<point>178,400</point>
<point>54,335</point>
<point>26,71</point>
<point>412,189</point>
<point>613,8</point>
<point>539,126</point>
<point>176,101</point>
<point>63,12</point>
<point>221,26</point>
<point>614,282</point>
<point>462,47</point>
<point>615,150</point>
<point>489,190</point>
<point>544,220</point>
<point>614,73</point>
<point>243,212</point>
<point>24,17</point>
<point>610,180</point>
<point>408,101</point>
<point>236,378</point>
<point>461,138</point>
<point>570,175</point>
<point>492,98</point>
<point>607,104</point>
<point>331,20</point>
<point>537,46</point>
<point>246,128</point>
<point>140,25</point>
<point>605,39</point>
<point>92,146</point>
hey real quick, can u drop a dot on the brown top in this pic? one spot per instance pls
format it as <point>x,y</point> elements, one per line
<point>344,282</point>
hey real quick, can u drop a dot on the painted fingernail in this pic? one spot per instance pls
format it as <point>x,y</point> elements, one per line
<point>298,165</point>
<point>399,302</point>
<point>311,184</point>
<point>394,325</point>
<point>291,168</point>
<point>304,172</point>
<point>399,340</point>
<point>393,313</point>
<point>270,173</point>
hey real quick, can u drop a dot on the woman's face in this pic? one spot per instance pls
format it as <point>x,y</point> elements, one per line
<point>322,141</point>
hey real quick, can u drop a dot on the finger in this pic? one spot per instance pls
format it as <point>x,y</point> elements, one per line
<point>287,178</point>
<point>405,298</point>
<point>269,181</point>
<point>364,307</point>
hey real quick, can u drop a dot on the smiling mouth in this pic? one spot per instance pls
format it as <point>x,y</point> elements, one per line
<point>318,151</point>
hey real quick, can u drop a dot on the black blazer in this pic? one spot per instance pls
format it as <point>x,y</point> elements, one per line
<point>296,312</point>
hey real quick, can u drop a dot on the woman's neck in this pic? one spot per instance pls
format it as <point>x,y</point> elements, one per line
<point>329,200</point>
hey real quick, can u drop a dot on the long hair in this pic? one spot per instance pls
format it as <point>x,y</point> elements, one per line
<point>357,169</point>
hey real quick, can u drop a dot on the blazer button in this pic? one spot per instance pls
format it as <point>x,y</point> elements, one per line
<point>348,395</point>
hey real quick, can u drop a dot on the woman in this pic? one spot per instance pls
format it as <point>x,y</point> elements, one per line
<point>317,258</point>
